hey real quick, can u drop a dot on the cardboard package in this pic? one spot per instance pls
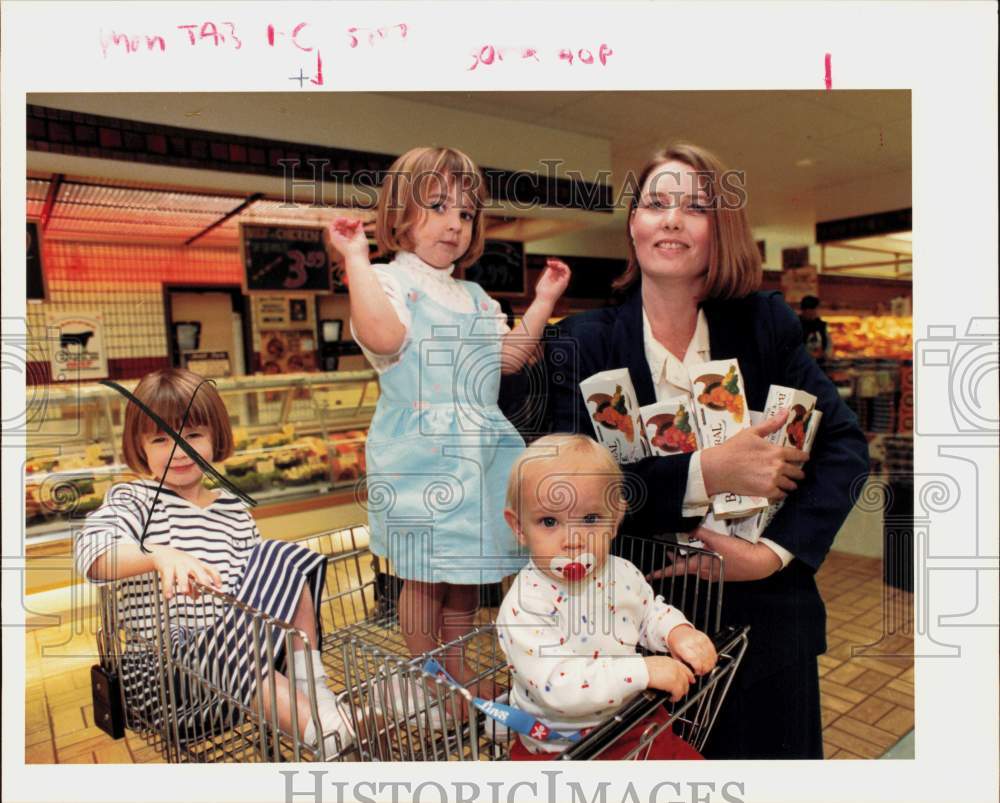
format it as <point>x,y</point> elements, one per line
<point>752,527</point>
<point>721,412</point>
<point>670,427</point>
<point>614,414</point>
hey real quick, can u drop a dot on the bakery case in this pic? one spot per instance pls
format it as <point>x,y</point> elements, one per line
<point>296,436</point>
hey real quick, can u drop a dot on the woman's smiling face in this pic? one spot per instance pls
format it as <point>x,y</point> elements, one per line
<point>671,226</point>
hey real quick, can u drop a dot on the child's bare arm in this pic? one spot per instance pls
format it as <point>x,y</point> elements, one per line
<point>126,559</point>
<point>521,343</point>
<point>373,317</point>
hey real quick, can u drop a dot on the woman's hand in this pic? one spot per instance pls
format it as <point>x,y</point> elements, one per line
<point>747,464</point>
<point>176,567</point>
<point>743,560</point>
<point>692,647</point>
<point>670,675</point>
<point>554,280</point>
<point>347,236</point>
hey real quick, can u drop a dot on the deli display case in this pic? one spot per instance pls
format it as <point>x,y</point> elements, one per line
<point>296,436</point>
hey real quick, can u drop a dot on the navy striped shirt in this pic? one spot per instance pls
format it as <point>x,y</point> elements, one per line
<point>220,535</point>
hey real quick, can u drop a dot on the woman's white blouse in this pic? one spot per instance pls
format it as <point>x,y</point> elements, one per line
<point>670,378</point>
<point>408,271</point>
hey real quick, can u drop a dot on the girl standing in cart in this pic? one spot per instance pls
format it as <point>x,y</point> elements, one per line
<point>439,450</point>
<point>186,532</point>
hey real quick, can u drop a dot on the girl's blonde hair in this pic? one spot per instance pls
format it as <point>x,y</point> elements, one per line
<point>734,264</point>
<point>167,393</point>
<point>412,179</point>
<point>562,449</point>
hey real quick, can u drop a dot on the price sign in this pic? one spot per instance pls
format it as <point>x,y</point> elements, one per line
<point>284,258</point>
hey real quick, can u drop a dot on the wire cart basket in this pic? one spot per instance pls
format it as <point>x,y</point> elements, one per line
<point>405,711</point>
<point>176,696</point>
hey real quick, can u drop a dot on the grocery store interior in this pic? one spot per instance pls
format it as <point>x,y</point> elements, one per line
<point>150,217</point>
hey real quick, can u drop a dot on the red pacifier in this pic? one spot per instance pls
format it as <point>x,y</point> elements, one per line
<point>573,571</point>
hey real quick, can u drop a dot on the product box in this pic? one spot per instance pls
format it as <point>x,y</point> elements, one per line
<point>721,412</point>
<point>800,406</point>
<point>670,427</point>
<point>614,414</point>
<point>752,527</point>
<point>727,526</point>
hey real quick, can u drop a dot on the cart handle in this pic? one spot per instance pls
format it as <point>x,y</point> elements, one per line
<point>634,712</point>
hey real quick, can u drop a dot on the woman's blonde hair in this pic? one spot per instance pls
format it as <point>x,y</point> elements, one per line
<point>734,264</point>
<point>562,448</point>
<point>411,180</point>
<point>167,393</point>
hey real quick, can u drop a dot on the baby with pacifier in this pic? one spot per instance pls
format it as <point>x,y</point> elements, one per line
<point>571,622</point>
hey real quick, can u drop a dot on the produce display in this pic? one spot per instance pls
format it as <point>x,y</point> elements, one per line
<point>870,336</point>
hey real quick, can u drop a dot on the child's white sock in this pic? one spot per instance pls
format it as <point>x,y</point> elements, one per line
<point>323,693</point>
<point>336,730</point>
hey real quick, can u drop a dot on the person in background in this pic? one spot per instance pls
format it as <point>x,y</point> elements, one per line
<point>814,333</point>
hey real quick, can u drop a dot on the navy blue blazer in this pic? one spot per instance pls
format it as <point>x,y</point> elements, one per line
<point>785,611</point>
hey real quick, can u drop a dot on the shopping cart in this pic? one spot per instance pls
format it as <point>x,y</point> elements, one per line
<point>162,673</point>
<point>150,684</point>
<point>404,710</point>
<point>358,600</point>
<point>177,697</point>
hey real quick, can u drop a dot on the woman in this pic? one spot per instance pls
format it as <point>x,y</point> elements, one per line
<point>691,280</point>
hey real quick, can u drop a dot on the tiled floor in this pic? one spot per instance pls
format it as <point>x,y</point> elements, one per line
<point>866,677</point>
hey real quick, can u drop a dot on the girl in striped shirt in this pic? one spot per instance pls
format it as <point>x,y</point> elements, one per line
<point>193,533</point>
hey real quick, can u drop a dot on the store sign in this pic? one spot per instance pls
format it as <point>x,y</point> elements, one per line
<point>501,268</point>
<point>278,258</point>
<point>878,224</point>
<point>209,364</point>
<point>797,283</point>
<point>81,351</point>
<point>287,351</point>
<point>284,312</point>
<point>35,280</point>
<point>794,257</point>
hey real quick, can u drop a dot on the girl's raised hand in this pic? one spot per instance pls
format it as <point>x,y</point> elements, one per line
<point>554,280</point>
<point>347,236</point>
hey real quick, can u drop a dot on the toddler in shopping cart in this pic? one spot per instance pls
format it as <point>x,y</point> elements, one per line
<point>191,535</point>
<point>570,624</point>
<point>439,450</point>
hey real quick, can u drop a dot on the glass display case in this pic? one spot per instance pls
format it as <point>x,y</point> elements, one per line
<point>296,436</point>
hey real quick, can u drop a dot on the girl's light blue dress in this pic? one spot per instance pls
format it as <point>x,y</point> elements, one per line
<point>439,451</point>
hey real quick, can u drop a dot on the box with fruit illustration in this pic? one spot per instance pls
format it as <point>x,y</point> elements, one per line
<point>669,426</point>
<point>800,406</point>
<point>614,414</point>
<point>751,528</point>
<point>721,412</point>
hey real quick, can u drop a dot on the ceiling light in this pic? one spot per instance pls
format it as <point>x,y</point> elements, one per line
<point>804,163</point>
